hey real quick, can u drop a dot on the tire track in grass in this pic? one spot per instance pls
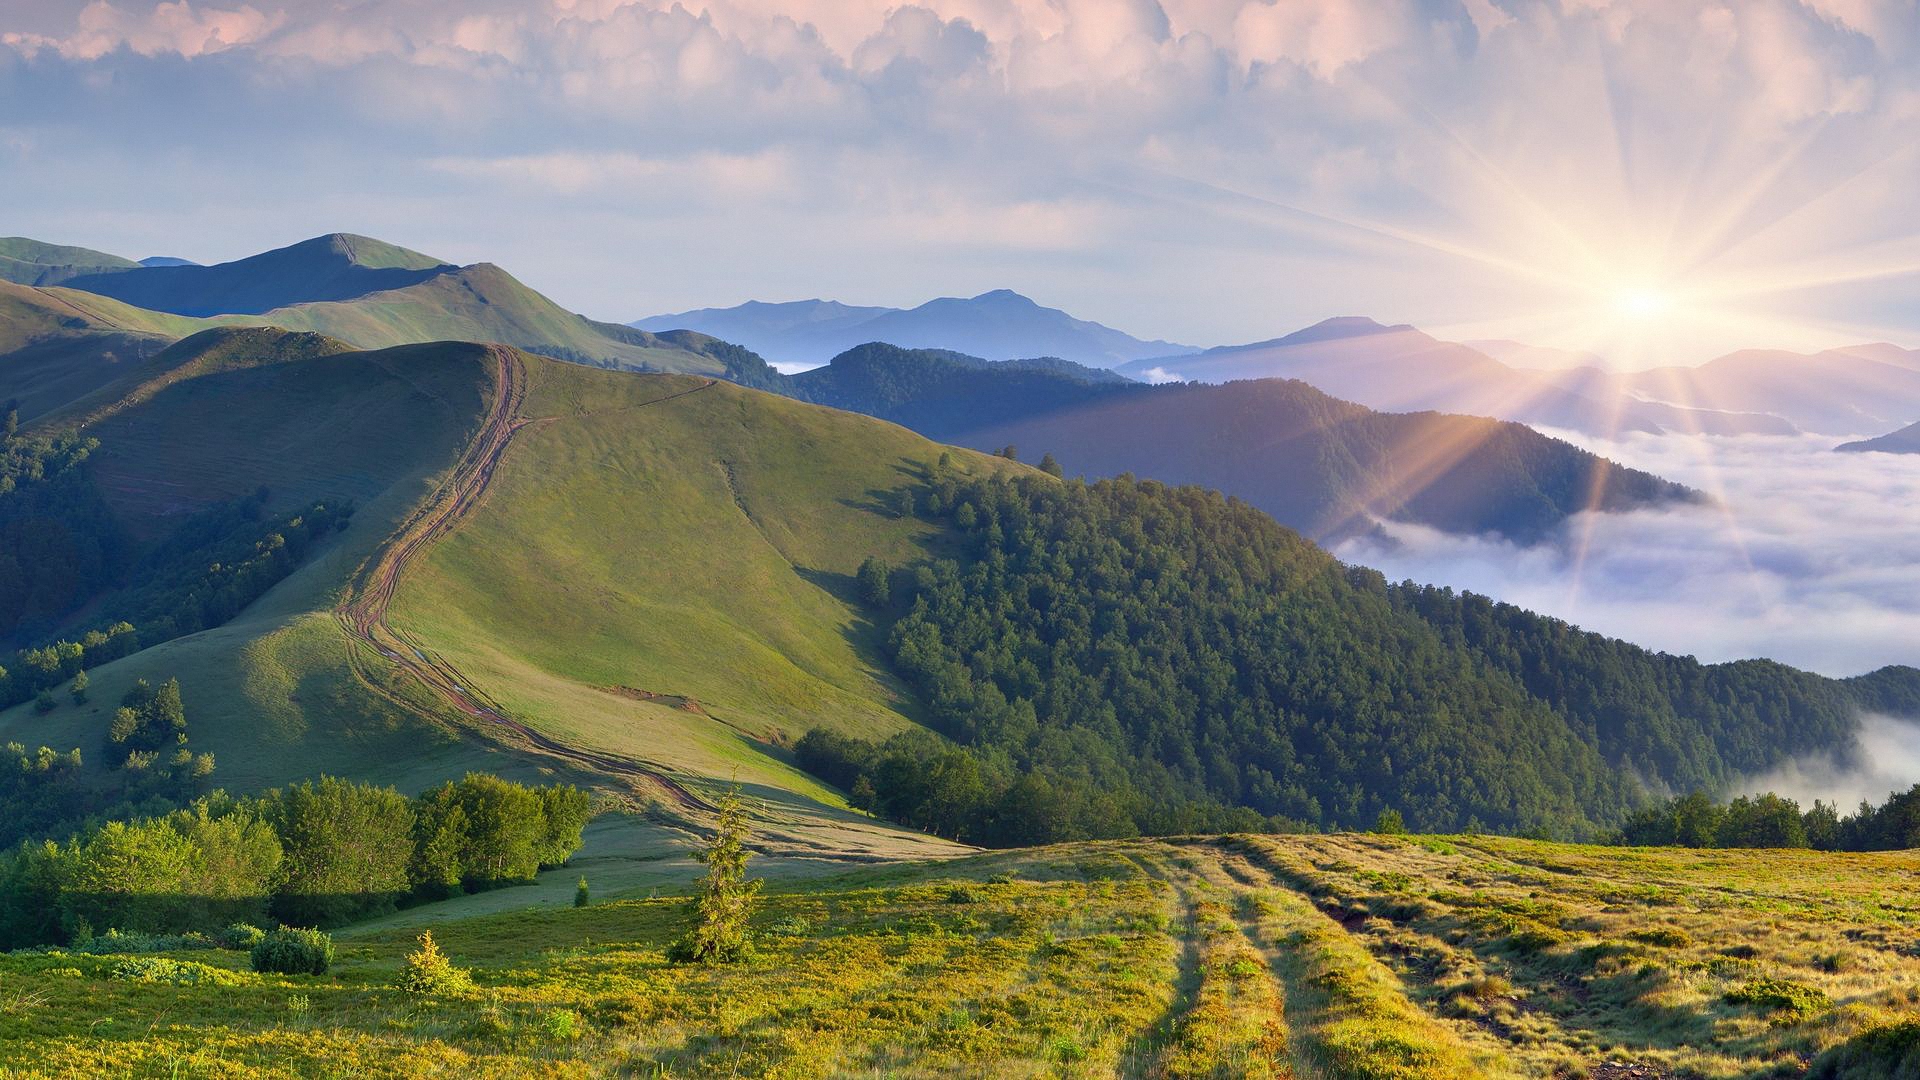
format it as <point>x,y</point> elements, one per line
<point>1228,1019</point>
<point>1348,1014</point>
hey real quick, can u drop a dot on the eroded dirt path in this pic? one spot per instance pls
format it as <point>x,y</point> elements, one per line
<point>363,612</point>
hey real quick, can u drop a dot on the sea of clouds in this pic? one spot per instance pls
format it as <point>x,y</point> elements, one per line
<point>1806,556</point>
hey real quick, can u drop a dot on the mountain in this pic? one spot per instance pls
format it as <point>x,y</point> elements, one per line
<point>997,325</point>
<point>1522,355</point>
<point>1904,441</point>
<point>1837,392</point>
<point>339,266</point>
<point>371,294</point>
<point>31,262</point>
<point>400,565</point>
<point>1323,466</point>
<point>1402,369</point>
<point>57,345</point>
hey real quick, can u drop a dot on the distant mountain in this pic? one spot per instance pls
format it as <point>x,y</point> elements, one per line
<point>1402,369</point>
<point>1326,467</point>
<point>31,262</point>
<point>166,260</point>
<point>339,266</point>
<point>1837,392</point>
<point>365,292</point>
<point>997,325</point>
<point>1904,441</point>
<point>1522,355</point>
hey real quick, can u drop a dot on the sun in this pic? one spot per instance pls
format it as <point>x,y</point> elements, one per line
<point>1642,303</point>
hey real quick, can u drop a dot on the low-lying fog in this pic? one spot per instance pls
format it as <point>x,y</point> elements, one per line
<point>1811,557</point>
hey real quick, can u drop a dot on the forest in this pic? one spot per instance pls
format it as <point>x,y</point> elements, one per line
<point>1143,658</point>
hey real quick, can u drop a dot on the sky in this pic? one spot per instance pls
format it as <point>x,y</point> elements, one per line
<point>1656,180</point>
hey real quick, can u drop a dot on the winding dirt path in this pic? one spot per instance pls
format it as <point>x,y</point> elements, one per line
<point>363,612</point>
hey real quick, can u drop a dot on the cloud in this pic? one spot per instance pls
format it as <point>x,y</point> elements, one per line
<point>1206,170</point>
<point>1808,557</point>
<point>1158,375</point>
<point>1884,758</point>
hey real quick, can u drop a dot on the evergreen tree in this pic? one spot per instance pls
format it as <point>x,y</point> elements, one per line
<point>724,904</point>
<point>1050,466</point>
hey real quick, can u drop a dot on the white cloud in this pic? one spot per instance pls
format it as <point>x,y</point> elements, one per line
<point>1208,170</point>
<point>1808,558</point>
<point>1158,375</point>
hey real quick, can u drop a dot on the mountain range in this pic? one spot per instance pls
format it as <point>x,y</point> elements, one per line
<point>997,325</point>
<point>1326,467</point>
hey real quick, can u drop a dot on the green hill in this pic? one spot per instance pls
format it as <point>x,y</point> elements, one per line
<point>30,262</point>
<point>339,266</point>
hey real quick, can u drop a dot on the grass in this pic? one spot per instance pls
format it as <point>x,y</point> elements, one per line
<point>1240,957</point>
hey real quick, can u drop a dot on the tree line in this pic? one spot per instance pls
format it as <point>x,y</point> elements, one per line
<point>318,853</point>
<point>1772,821</point>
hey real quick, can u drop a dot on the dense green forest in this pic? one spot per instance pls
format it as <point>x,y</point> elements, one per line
<point>1154,656</point>
<point>318,853</point>
<point>1770,821</point>
<point>58,541</point>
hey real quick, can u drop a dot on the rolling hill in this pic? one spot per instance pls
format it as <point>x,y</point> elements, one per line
<point>997,325</point>
<point>1323,466</point>
<point>654,583</point>
<point>1837,392</point>
<point>366,292</point>
<point>31,262</point>
<point>1401,369</point>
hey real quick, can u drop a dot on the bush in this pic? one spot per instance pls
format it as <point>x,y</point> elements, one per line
<point>581,897</point>
<point>1779,995</point>
<point>241,936</point>
<point>1665,937</point>
<point>289,951</point>
<point>428,971</point>
<point>159,969</point>
<point>963,894</point>
<point>1884,1053</point>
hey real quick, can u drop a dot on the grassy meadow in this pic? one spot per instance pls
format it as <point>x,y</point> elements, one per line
<point>1334,957</point>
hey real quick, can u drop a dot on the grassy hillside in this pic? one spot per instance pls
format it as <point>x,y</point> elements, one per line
<point>1340,957</point>
<point>57,345</point>
<point>682,553</point>
<point>31,262</point>
<point>682,603</point>
<point>334,267</point>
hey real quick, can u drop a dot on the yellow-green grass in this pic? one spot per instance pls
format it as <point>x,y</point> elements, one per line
<point>1338,958</point>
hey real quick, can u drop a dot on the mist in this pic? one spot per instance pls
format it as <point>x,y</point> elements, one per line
<point>1807,556</point>
<point>1884,759</point>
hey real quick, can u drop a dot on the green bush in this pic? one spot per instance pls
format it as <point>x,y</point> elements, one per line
<point>290,951</point>
<point>1665,937</point>
<point>1779,995</point>
<point>241,936</point>
<point>1883,1053</point>
<point>159,969</point>
<point>428,971</point>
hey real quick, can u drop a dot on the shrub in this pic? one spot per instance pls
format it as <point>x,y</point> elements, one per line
<point>963,894</point>
<point>159,969</point>
<point>581,897</point>
<point>1891,1052</point>
<point>241,936</point>
<point>428,971</point>
<point>1779,995</point>
<point>290,951</point>
<point>1665,937</point>
<point>562,1025</point>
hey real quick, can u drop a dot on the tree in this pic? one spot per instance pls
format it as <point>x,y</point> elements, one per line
<point>79,688</point>
<point>1390,823</point>
<point>581,897</point>
<point>1765,821</point>
<point>348,848</point>
<point>1696,821</point>
<point>1049,466</point>
<point>725,900</point>
<point>1010,452</point>
<point>875,582</point>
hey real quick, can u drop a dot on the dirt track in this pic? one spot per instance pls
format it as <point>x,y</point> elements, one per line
<point>364,610</point>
